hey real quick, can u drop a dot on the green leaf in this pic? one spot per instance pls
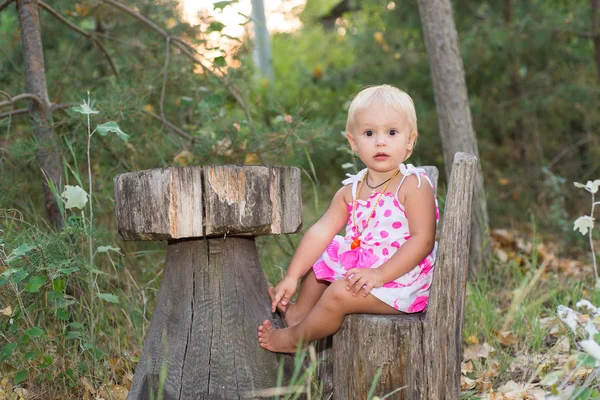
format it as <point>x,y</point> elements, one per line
<point>18,276</point>
<point>98,354</point>
<point>84,108</point>
<point>34,332</point>
<point>220,61</point>
<point>597,338</point>
<point>105,249</point>
<point>76,197</point>
<point>22,250</point>
<point>111,126</point>
<point>59,285</point>
<point>76,325</point>
<point>20,376</point>
<point>111,298</point>
<point>219,5</point>
<point>7,351</point>
<point>29,356</point>
<point>62,314</point>
<point>215,26</point>
<point>68,271</point>
<point>586,360</point>
<point>73,335</point>
<point>582,393</point>
<point>35,283</point>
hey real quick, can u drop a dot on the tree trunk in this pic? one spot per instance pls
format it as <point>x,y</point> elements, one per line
<point>595,4</point>
<point>456,127</point>
<point>262,46</point>
<point>33,58</point>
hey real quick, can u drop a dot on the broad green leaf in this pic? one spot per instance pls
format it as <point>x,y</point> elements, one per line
<point>20,376</point>
<point>73,335</point>
<point>219,5</point>
<point>29,355</point>
<point>35,283</point>
<point>105,249</point>
<point>21,250</point>
<point>84,108</point>
<point>583,224</point>
<point>34,332</point>
<point>111,126</point>
<point>219,61</point>
<point>7,351</point>
<point>111,298</point>
<point>18,276</point>
<point>62,314</point>
<point>76,325</point>
<point>215,26</point>
<point>76,197</point>
<point>59,285</point>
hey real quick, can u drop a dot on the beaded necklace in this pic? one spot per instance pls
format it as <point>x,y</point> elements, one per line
<point>356,242</point>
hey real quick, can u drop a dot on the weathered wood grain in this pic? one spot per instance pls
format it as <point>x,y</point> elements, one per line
<point>212,299</point>
<point>254,200</point>
<point>177,203</point>
<point>424,348</point>
<point>366,343</point>
<point>443,325</point>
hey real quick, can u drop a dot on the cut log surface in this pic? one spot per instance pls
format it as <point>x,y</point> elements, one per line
<point>204,330</point>
<point>420,352</point>
<point>177,203</point>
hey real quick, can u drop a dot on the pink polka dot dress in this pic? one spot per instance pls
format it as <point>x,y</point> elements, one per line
<point>382,236</point>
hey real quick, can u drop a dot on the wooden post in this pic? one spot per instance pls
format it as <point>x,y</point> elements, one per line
<point>420,353</point>
<point>213,294</point>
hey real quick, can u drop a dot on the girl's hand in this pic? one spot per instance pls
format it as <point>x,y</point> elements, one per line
<point>363,279</point>
<point>280,296</point>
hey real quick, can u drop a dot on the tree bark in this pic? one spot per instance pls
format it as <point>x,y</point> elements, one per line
<point>33,58</point>
<point>452,105</point>
<point>595,4</point>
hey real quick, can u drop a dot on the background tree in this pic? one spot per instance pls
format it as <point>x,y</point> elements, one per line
<point>452,105</point>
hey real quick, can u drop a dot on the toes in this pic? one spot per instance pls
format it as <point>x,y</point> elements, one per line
<point>267,324</point>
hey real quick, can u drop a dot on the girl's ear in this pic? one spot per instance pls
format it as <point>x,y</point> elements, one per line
<point>351,140</point>
<point>412,141</point>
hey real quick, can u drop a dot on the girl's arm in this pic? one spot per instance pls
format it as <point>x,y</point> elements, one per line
<point>419,204</point>
<point>313,244</point>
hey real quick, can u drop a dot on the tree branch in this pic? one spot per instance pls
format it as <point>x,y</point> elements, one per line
<point>88,35</point>
<point>187,49</point>
<point>18,97</point>
<point>170,126</point>
<point>5,4</point>
<point>583,34</point>
<point>164,83</point>
<point>20,111</point>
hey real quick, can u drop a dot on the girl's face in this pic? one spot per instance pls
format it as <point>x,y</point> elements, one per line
<point>382,137</point>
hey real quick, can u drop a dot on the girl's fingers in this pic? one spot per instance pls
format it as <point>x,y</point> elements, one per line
<point>367,289</point>
<point>276,301</point>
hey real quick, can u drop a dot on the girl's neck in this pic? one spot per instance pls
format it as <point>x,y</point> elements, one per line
<point>376,177</point>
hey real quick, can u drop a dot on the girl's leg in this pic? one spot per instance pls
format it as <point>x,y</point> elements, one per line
<point>324,319</point>
<point>310,291</point>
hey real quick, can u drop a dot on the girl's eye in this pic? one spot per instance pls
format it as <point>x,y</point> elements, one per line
<point>369,133</point>
<point>392,132</point>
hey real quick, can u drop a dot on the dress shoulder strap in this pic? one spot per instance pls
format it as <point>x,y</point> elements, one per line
<point>408,170</point>
<point>354,180</point>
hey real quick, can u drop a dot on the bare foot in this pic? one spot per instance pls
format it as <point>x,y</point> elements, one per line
<point>290,313</point>
<point>275,340</point>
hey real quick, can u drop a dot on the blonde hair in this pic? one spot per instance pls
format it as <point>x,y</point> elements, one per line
<point>390,96</point>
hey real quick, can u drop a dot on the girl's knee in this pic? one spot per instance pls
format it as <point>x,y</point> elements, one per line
<point>336,293</point>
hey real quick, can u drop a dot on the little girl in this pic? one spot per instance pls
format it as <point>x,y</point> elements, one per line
<point>384,264</point>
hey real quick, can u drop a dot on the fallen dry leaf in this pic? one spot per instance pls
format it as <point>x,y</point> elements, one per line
<point>477,351</point>
<point>467,383</point>
<point>467,367</point>
<point>472,340</point>
<point>506,338</point>
<point>87,385</point>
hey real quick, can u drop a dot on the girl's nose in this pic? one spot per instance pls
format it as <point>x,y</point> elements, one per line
<point>380,141</point>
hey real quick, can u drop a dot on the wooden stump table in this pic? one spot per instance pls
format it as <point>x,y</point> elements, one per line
<point>213,294</point>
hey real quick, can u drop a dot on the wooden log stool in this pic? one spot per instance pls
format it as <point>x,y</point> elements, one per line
<point>420,352</point>
<point>213,294</point>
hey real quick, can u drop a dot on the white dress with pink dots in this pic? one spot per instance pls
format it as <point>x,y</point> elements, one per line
<point>386,231</point>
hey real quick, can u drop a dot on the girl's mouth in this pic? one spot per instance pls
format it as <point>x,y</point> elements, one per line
<point>380,156</point>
